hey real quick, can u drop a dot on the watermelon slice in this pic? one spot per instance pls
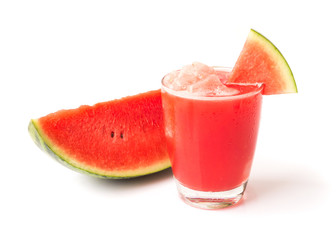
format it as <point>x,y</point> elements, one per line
<point>261,62</point>
<point>122,138</point>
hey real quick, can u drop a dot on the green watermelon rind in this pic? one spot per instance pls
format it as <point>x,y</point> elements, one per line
<point>51,151</point>
<point>281,58</point>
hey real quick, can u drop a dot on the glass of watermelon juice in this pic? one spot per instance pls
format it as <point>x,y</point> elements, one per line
<point>211,133</point>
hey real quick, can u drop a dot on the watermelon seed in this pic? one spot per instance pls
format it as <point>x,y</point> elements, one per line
<point>121,135</point>
<point>112,134</point>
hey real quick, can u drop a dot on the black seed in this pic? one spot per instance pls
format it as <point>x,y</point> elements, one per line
<point>121,135</point>
<point>112,134</point>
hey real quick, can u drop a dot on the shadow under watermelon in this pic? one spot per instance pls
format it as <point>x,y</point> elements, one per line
<point>129,184</point>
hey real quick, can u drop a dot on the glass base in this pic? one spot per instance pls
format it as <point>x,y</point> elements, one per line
<point>211,200</point>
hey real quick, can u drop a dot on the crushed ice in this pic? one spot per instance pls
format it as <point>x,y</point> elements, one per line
<point>198,79</point>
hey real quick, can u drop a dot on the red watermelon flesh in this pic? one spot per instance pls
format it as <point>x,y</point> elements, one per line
<point>115,139</point>
<point>261,62</point>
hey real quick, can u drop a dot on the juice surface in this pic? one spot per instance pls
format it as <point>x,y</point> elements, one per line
<point>211,141</point>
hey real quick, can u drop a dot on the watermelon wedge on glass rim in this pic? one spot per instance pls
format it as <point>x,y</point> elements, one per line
<point>261,62</point>
<point>124,138</point>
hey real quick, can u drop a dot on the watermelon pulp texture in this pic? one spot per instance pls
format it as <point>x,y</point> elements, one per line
<point>260,61</point>
<point>116,139</point>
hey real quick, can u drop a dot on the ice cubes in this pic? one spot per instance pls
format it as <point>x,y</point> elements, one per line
<point>198,79</point>
<point>211,86</point>
<point>188,75</point>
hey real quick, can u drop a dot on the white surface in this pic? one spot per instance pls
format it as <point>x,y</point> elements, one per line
<point>61,54</point>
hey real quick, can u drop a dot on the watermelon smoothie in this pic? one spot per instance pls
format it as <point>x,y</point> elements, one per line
<point>211,140</point>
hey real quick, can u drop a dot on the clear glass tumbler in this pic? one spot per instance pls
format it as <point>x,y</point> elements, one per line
<point>211,142</point>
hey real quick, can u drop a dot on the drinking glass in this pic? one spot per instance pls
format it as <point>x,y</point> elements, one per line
<point>211,142</point>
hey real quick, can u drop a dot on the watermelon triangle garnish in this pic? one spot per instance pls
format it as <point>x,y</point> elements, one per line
<point>261,62</point>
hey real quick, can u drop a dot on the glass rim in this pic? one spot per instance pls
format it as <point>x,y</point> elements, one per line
<point>185,94</point>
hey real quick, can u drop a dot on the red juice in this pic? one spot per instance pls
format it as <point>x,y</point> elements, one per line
<point>211,140</point>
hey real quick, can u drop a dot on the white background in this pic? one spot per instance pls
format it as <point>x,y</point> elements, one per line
<point>62,54</point>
